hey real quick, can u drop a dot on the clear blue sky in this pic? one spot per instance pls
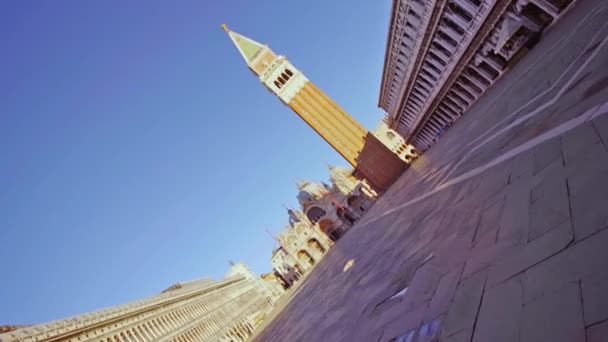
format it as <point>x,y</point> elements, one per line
<point>137,150</point>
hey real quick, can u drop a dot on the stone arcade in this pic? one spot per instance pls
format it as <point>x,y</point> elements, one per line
<point>442,55</point>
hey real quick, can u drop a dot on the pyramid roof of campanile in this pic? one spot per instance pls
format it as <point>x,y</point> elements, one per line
<point>248,48</point>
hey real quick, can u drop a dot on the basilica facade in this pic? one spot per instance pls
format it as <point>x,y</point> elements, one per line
<point>325,213</point>
<point>442,55</point>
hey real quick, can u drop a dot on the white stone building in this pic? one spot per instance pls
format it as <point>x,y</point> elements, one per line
<point>286,266</point>
<point>202,309</point>
<point>442,55</point>
<point>305,242</point>
<point>274,284</point>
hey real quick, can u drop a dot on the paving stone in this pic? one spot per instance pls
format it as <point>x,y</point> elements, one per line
<point>465,220</point>
<point>549,203</point>
<point>522,165</point>
<point>577,140</point>
<point>600,123</point>
<point>585,258</point>
<point>555,317</point>
<point>589,197</point>
<point>500,313</point>
<point>528,255</point>
<point>422,286</point>
<point>514,221</point>
<point>598,332</point>
<point>594,159</point>
<point>492,181</point>
<point>430,329</point>
<point>595,298</point>
<point>489,222</point>
<point>359,334</point>
<point>461,336</point>
<point>445,291</point>
<point>402,324</point>
<point>546,153</point>
<point>485,255</point>
<point>427,331</point>
<point>463,311</point>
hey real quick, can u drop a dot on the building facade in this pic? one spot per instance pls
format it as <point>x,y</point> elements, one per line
<point>326,213</point>
<point>395,142</point>
<point>305,242</point>
<point>286,266</point>
<point>370,159</point>
<point>442,55</point>
<point>274,284</point>
<point>198,310</point>
<point>336,207</point>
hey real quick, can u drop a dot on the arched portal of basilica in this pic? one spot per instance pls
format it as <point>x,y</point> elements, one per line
<point>306,259</point>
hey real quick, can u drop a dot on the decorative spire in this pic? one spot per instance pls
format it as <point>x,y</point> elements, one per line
<point>300,183</point>
<point>248,48</point>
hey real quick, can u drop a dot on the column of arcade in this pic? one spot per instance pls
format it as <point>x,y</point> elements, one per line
<point>489,63</point>
<point>449,41</point>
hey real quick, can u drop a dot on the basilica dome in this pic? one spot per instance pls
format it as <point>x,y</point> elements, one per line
<point>309,192</point>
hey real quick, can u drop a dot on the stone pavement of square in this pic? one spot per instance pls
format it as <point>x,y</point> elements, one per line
<point>498,232</point>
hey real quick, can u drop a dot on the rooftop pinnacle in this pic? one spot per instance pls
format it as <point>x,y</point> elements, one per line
<point>248,48</point>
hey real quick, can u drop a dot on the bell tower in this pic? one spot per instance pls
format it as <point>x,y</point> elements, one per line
<point>370,158</point>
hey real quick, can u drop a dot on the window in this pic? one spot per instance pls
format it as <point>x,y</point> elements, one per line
<point>277,84</point>
<point>413,14</point>
<point>454,8</point>
<point>447,38</point>
<point>452,25</point>
<point>288,72</point>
